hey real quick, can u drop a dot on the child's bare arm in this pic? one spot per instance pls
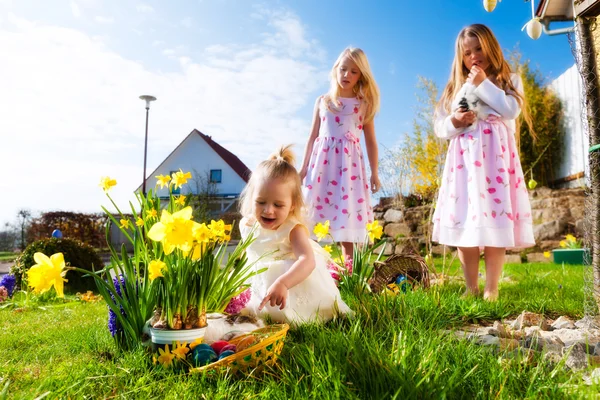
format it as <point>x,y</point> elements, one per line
<point>372,154</point>
<point>299,271</point>
<point>314,133</point>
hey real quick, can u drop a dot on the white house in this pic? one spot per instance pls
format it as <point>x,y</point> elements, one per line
<point>574,165</point>
<point>205,159</point>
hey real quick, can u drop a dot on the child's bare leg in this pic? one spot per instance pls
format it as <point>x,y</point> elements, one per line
<point>469,258</point>
<point>347,250</point>
<point>494,260</point>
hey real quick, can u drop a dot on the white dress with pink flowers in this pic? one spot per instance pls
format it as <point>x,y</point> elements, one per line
<point>336,187</point>
<point>483,200</point>
<point>316,299</point>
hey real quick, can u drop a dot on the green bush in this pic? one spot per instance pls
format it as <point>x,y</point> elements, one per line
<point>76,253</point>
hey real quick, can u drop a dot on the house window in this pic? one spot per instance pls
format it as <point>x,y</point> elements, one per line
<point>178,190</point>
<point>215,176</point>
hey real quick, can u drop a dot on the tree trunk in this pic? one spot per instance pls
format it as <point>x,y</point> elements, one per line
<point>589,76</point>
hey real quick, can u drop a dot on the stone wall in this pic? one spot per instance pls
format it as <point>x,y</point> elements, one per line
<point>555,213</point>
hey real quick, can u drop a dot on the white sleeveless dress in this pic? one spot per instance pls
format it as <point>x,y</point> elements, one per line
<point>315,299</point>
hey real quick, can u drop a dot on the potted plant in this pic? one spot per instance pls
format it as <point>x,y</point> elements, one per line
<point>571,251</point>
<point>177,272</point>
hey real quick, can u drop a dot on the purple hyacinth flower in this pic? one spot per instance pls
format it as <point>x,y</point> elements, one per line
<point>8,281</point>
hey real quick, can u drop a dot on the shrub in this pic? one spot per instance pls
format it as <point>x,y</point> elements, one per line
<point>88,228</point>
<point>76,253</point>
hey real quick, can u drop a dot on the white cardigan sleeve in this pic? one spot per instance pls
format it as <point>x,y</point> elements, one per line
<point>502,102</point>
<point>443,126</point>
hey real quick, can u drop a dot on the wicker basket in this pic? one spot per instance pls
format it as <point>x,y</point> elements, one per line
<point>265,352</point>
<point>410,265</point>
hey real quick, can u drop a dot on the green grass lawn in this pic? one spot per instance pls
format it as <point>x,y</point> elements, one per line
<point>8,255</point>
<point>395,347</point>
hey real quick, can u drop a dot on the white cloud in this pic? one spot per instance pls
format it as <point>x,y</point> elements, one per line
<point>75,10</point>
<point>104,20</point>
<point>79,117</point>
<point>144,8</point>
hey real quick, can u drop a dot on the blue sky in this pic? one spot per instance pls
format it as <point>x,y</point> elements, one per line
<point>246,73</point>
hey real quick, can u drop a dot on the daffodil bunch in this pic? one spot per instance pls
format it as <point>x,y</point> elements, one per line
<point>191,272</point>
<point>179,269</point>
<point>355,274</point>
<point>571,242</point>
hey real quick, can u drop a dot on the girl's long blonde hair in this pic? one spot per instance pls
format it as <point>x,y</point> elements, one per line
<point>279,165</point>
<point>366,88</point>
<point>498,69</point>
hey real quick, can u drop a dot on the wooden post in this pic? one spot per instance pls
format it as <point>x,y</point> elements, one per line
<point>589,76</point>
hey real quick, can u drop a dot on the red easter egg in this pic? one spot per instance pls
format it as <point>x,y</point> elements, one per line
<point>218,346</point>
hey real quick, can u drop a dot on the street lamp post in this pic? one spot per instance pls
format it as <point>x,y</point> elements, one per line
<point>147,99</point>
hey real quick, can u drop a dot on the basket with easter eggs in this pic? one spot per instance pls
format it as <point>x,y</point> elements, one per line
<point>249,351</point>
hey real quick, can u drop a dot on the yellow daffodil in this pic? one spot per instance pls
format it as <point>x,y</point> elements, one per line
<point>180,200</point>
<point>174,230</point>
<point>47,272</point>
<point>374,230</point>
<point>165,356</point>
<point>328,249</point>
<point>125,223</point>
<point>163,180</point>
<point>563,244</point>
<point>321,230</point>
<point>570,238</point>
<point>202,233</point>
<point>151,213</point>
<point>180,351</point>
<point>106,183</point>
<point>220,230</point>
<point>547,254</point>
<point>180,178</point>
<point>155,269</point>
<point>139,222</point>
<point>196,342</point>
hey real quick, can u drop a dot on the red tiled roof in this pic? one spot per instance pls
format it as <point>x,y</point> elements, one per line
<point>234,162</point>
<point>231,159</point>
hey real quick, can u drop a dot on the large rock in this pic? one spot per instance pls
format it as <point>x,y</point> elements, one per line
<point>395,229</point>
<point>548,230</point>
<point>392,215</point>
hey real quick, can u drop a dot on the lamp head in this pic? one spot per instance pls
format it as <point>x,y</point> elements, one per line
<point>147,98</point>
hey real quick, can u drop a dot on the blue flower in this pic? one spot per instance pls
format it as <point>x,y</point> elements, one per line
<point>113,324</point>
<point>8,281</point>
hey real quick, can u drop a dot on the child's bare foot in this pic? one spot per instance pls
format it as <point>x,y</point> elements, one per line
<point>490,295</point>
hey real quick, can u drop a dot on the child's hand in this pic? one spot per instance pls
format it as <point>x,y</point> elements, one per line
<point>276,296</point>
<point>375,183</point>
<point>462,118</point>
<point>303,173</point>
<point>476,75</point>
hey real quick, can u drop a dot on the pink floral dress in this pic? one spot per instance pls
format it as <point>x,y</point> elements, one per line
<point>483,200</point>
<point>336,187</point>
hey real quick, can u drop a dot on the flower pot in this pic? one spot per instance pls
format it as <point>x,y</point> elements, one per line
<point>161,337</point>
<point>571,256</point>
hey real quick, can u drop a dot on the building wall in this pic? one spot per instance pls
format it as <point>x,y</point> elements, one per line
<point>195,155</point>
<point>568,88</point>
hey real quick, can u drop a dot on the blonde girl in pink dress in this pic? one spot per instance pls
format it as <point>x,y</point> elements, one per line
<point>336,186</point>
<point>483,201</point>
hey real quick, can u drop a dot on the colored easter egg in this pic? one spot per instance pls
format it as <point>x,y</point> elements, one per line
<point>231,347</point>
<point>218,346</point>
<point>203,356</point>
<point>203,346</point>
<point>225,353</point>
<point>246,342</point>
